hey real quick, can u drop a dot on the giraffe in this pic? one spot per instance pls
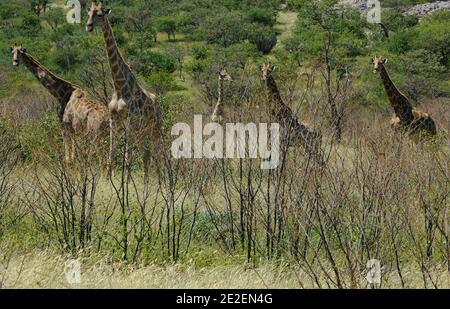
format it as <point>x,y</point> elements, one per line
<point>218,114</point>
<point>297,132</point>
<point>132,108</point>
<point>406,117</point>
<point>384,29</point>
<point>78,114</point>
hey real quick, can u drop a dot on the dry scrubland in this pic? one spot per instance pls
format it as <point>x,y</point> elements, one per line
<point>228,224</point>
<point>211,223</point>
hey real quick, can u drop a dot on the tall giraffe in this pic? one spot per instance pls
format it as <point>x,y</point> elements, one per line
<point>132,107</point>
<point>78,114</point>
<point>218,114</point>
<point>297,132</point>
<point>406,117</point>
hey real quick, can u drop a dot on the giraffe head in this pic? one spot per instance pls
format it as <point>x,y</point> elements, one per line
<point>96,14</point>
<point>223,75</point>
<point>17,52</point>
<point>378,62</point>
<point>267,70</point>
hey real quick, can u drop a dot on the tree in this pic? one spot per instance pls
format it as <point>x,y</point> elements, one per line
<point>332,34</point>
<point>433,34</point>
<point>30,25</point>
<point>54,18</point>
<point>266,17</point>
<point>177,53</point>
<point>139,23</point>
<point>264,37</point>
<point>152,61</point>
<point>396,21</point>
<point>224,29</point>
<point>162,82</point>
<point>167,24</point>
<point>39,6</point>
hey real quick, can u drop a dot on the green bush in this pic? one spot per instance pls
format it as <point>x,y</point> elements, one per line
<point>224,29</point>
<point>149,62</point>
<point>264,37</point>
<point>263,16</point>
<point>30,25</point>
<point>433,35</point>
<point>400,42</point>
<point>168,25</point>
<point>162,82</point>
<point>396,21</point>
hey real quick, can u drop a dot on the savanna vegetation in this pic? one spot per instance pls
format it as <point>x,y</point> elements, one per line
<point>227,223</point>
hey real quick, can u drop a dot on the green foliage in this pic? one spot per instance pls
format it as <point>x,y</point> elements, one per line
<point>263,16</point>
<point>199,51</point>
<point>30,25</point>
<point>160,62</point>
<point>54,18</point>
<point>326,27</point>
<point>263,37</point>
<point>396,21</point>
<point>167,24</point>
<point>400,42</point>
<point>162,82</point>
<point>224,29</point>
<point>10,10</point>
<point>433,34</point>
<point>230,33</point>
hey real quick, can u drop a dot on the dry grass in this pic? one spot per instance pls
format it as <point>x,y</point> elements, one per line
<point>46,270</point>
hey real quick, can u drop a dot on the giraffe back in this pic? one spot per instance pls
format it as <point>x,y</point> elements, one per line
<point>85,116</point>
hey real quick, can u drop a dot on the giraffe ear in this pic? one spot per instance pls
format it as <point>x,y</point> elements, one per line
<point>384,61</point>
<point>274,68</point>
<point>108,11</point>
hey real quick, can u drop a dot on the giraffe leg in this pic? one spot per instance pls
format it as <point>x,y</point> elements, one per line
<point>127,154</point>
<point>73,149</point>
<point>146,160</point>
<point>66,141</point>
<point>111,147</point>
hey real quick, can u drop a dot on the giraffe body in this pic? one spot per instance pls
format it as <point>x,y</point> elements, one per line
<point>411,120</point>
<point>85,116</point>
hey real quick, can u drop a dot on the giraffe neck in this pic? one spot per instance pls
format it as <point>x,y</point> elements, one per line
<point>273,95</point>
<point>218,110</point>
<point>123,79</point>
<point>59,88</point>
<point>220,92</point>
<point>399,102</point>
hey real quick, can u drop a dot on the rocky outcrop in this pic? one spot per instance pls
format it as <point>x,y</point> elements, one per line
<point>358,4</point>
<point>427,8</point>
<point>418,10</point>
